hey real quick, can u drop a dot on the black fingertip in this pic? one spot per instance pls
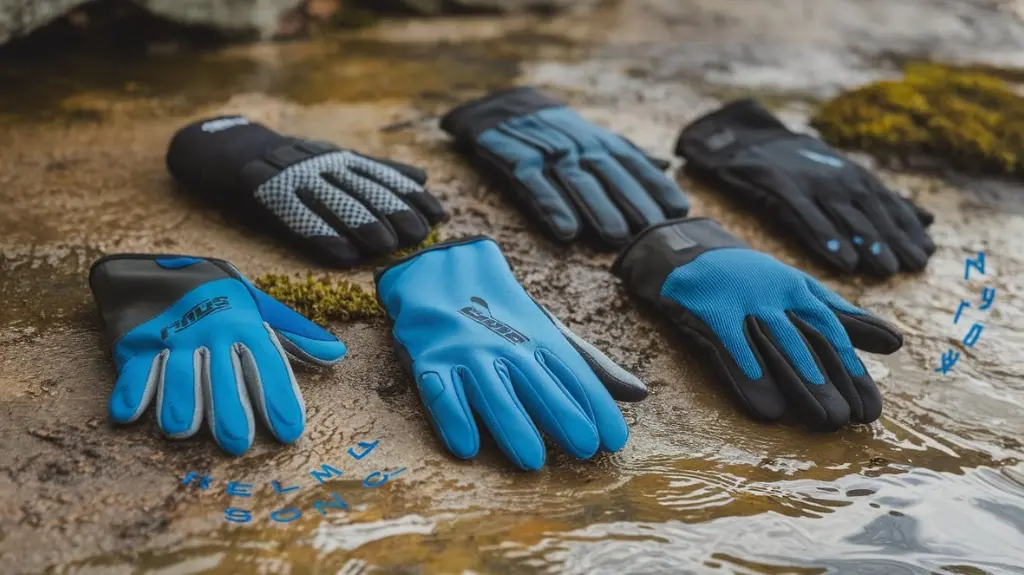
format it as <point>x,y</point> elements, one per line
<point>335,251</point>
<point>819,406</point>
<point>410,227</point>
<point>879,260</point>
<point>428,205</point>
<point>869,408</point>
<point>375,238</point>
<point>871,334</point>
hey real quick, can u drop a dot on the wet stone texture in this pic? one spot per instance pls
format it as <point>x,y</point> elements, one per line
<point>935,486</point>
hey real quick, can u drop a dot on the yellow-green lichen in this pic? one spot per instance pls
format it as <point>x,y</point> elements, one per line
<point>324,299</point>
<point>321,299</point>
<point>970,119</point>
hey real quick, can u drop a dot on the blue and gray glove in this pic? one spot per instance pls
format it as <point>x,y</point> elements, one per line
<point>566,172</point>
<point>774,334</point>
<point>477,345</point>
<point>194,333</point>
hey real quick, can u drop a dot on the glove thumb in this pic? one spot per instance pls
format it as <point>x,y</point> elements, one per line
<point>301,338</point>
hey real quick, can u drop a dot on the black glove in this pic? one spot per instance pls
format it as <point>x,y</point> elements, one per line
<point>836,208</point>
<point>567,172</point>
<point>342,206</point>
<point>775,336</point>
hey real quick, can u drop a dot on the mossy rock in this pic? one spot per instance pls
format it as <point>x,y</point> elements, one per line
<point>325,299</point>
<point>968,119</point>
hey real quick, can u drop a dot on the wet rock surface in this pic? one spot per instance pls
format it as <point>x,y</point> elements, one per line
<point>935,486</point>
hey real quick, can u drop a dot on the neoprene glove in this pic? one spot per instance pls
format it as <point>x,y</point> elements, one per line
<point>773,334</point>
<point>567,173</point>
<point>194,334</point>
<point>339,206</point>
<point>478,347</point>
<point>836,209</point>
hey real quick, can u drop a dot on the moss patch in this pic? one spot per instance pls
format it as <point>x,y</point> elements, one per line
<point>969,119</point>
<point>325,299</point>
<point>321,299</point>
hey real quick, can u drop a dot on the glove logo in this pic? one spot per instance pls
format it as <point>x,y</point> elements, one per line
<point>719,140</point>
<point>223,124</point>
<point>480,312</point>
<point>821,158</point>
<point>202,309</point>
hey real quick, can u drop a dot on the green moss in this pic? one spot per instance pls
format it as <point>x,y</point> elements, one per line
<point>321,299</point>
<point>324,299</point>
<point>971,119</point>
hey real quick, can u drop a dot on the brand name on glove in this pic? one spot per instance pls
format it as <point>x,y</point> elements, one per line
<point>223,124</point>
<point>202,309</point>
<point>480,312</point>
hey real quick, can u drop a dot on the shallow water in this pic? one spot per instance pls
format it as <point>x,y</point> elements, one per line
<point>934,487</point>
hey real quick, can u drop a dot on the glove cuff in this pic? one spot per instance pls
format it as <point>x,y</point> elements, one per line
<point>207,156</point>
<point>713,138</point>
<point>379,273</point>
<point>647,261</point>
<point>468,121</point>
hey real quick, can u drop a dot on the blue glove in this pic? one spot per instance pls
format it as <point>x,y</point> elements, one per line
<point>197,335</point>
<point>774,334</point>
<point>568,173</point>
<point>477,344</point>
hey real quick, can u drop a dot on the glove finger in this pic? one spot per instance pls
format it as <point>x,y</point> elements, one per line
<point>875,253</point>
<point>493,398</point>
<point>409,189</point>
<point>301,338</point>
<point>736,361</point>
<point>830,343</point>
<point>866,331</point>
<point>179,401</point>
<point>565,130</point>
<point>665,191</point>
<point>137,382</point>
<point>408,224</point>
<point>621,384</point>
<point>551,407</point>
<point>908,253</point>
<point>297,219</point>
<point>908,217</point>
<point>444,398</point>
<point>585,387</point>
<point>633,200</point>
<point>799,372</point>
<point>349,217</point>
<point>228,410</point>
<point>592,201</point>
<point>273,390</point>
<point>524,163</point>
<point>799,215</point>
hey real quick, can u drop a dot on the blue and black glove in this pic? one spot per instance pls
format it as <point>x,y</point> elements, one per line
<point>478,346</point>
<point>838,211</point>
<point>339,206</point>
<point>774,334</point>
<point>194,333</point>
<point>567,173</point>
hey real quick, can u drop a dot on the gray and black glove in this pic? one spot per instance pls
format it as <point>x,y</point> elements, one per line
<point>341,206</point>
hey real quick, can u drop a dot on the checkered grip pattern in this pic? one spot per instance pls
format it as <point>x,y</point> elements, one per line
<point>338,181</point>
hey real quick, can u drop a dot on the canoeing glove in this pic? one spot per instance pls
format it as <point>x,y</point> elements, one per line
<point>567,173</point>
<point>194,334</point>
<point>340,206</point>
<point>773,334</point>
<point>477,346</point>
<point>838,210</point>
